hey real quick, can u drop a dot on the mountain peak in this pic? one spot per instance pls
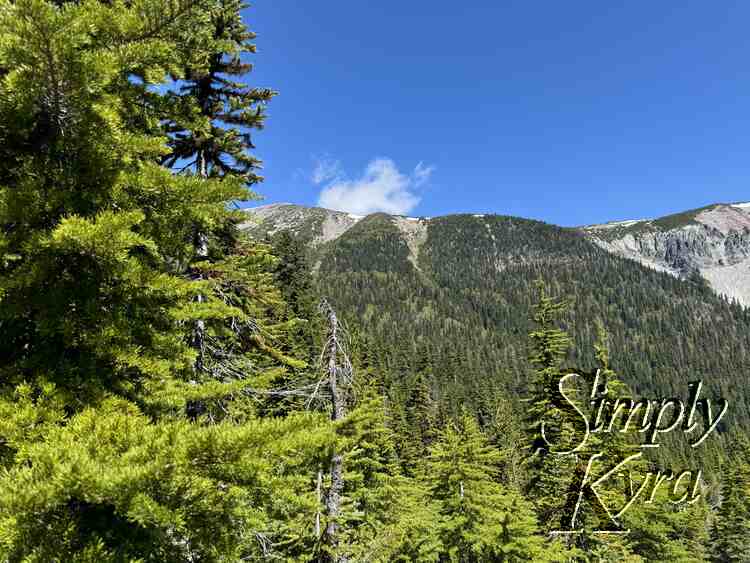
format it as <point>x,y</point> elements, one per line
<point>314,225</point>
<point>713,241</point>
<point>722,216</point>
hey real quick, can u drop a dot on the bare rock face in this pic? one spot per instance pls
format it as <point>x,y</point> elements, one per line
<point>314,225</point>
<point>713,242</point>
<point>317,226</point>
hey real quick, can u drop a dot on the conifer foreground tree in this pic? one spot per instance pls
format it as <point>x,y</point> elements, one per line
<point>549,475</point>
<point>479,519</point>
<point>208,116</point>
<point>103,458</point>
<point>731,531</point>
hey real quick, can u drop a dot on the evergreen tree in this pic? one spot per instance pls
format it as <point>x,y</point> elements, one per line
<point>214,114</point>
<point>387,515</point>
<point>480,520</point>
<point>730,536</point>
<point>506,433</point>
<point>550,476</point>
<point>108,484</point>
<point>661,531</point>
<point>102,458</point>
<point>420,408</point>
<point>208,117</point>
<point>418,424</point>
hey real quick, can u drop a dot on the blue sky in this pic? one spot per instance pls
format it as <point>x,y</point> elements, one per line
<point>569,112</point>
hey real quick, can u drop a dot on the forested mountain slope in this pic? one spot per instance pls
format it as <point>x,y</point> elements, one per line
<point>452,296</point>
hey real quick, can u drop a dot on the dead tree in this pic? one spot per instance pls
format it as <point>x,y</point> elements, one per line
<point>334,388</point>
<point>338,378</point>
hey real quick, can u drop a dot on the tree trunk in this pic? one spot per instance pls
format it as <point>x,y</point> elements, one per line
<point>339,377</point>
<point>319,492</point>
<point>199,335</point>
<point>201,251</point>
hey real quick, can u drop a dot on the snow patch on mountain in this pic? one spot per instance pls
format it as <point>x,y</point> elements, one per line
<point>614,224</point>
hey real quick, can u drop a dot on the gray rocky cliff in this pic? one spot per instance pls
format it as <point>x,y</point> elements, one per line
<point>713,242</point>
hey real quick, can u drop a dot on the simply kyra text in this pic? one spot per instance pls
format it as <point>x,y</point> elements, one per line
<point>697,419</point>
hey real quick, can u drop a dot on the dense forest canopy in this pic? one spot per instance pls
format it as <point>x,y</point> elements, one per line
<point>464,306</point>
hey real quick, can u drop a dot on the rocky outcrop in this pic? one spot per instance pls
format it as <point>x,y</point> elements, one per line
<point>713,242</point>
<point>314,225</point>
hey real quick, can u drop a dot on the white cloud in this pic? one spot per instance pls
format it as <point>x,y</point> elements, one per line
<point>381,188</point>
<point>422,174</point>
<point>326,169</point>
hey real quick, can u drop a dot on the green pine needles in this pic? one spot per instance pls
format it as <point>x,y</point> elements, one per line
<point>113,447</point>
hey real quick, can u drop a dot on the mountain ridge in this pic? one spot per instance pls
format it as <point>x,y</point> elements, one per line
<point>711,243</point>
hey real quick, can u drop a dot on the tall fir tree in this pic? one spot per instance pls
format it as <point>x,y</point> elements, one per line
<point>100,460</point>
<point>730,536</point>
<point>214,113</point>
<point>480,520</point>
<point>549,475</point>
